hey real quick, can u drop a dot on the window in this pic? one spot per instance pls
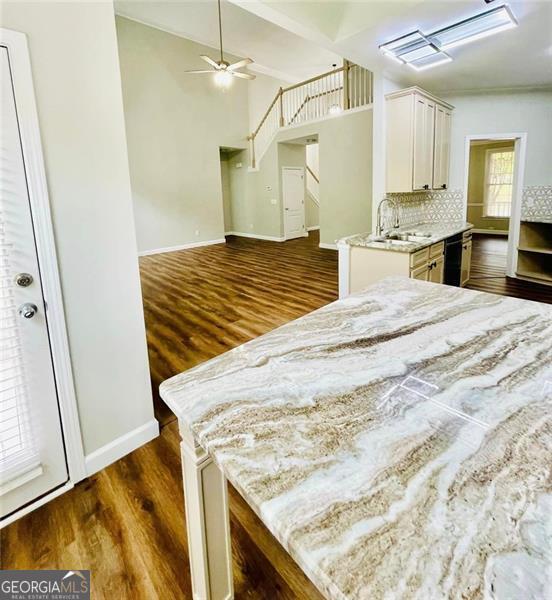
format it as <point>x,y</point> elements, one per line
<point>499,177</point>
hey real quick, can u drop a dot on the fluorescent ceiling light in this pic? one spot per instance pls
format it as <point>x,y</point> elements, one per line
<point>488,23</point>
<point>433,60</point>
<point>424,51</point>
<point>417,53</point>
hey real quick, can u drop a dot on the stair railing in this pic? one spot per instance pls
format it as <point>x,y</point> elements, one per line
<point>344,88</point>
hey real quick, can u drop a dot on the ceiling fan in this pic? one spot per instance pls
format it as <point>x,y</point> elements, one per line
<point>223,70</point>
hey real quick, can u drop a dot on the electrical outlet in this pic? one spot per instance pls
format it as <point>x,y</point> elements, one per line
<point>250,225</point>
<point>197,232</point>
<point>238,165</point>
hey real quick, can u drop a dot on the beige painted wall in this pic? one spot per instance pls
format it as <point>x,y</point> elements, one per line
<point>476,187</point>
<point>504,112</point>
<point>73,50</point>
<point>175,125</point>
<point>345,157</point>
<point>312,213</point>
<point>226,191</point>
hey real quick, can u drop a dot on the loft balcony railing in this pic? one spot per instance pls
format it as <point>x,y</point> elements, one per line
<point>345,88</point>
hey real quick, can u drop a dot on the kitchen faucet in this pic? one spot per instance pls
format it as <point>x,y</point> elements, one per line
<point>394,205</point>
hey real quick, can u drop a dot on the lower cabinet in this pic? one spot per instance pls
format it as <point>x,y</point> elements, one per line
<point>466,262</point>
<point>436,270</point>
<point>428,264</point>
<point>360,267</point>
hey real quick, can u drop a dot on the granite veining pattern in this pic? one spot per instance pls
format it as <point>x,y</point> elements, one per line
<point>436,232</point>
<point>398,442</point>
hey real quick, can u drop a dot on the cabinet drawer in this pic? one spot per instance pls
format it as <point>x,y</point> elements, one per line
<point>419,258</point>
<point>437,250</point>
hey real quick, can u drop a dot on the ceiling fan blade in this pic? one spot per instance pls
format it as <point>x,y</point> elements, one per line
<point>201,71</point>
<point>210,61</point>
<point>239,64</point>
<point>243,75</point>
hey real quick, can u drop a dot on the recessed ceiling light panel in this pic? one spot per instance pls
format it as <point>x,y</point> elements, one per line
<point>424,51</point>
<point>427,62</point>
<point>488,23</point>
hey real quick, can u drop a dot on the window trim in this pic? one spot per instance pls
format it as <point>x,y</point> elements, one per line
<point>488,154</point>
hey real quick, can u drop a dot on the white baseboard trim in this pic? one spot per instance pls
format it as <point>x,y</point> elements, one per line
<point>327,246</point>
<point>491,231</point>
<point>255,236</point>
<point>108,454</point>
<point>313,228</point>
<point>181,247</point>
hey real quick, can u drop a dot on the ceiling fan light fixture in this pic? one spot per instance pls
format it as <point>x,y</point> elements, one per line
<point>223,78</point>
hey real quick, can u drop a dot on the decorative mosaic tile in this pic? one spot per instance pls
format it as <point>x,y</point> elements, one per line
<point>536,202</point>
<point>427,207</point>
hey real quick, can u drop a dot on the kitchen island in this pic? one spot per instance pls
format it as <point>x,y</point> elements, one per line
<point>397,443</point>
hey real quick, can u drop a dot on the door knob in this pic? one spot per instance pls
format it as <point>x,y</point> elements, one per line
<point>28,310</point>
<point>23,279</point>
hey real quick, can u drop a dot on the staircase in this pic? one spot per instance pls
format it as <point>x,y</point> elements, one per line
<point>331,93</point>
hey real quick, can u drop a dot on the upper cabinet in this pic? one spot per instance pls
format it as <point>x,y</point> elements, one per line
<point>418,141</point>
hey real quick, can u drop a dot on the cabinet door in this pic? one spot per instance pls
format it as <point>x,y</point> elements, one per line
<point>420,160</point>
<point>420,273</point>
<point>424,127</point>
<point>436,272</point>
<point>466,263</point>
<point>441,151</point>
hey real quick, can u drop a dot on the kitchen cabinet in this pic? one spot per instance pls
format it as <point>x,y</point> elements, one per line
<point>417,141</point>
<point>466,262</point>
<point>441,148</point>
<point>436,270</point>
<point>421,273</point>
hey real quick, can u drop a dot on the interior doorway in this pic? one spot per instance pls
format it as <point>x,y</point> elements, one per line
<point>493,184</point>
<point>293,199</point>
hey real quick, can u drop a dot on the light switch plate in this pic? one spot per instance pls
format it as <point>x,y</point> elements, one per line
<point>273,201</point>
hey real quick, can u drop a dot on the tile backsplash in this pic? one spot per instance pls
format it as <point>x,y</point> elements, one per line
<point>537,202</point>
<point>448,205</point>
<point>428,207</point>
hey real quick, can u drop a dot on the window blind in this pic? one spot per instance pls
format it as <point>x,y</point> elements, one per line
<point>18,450</point>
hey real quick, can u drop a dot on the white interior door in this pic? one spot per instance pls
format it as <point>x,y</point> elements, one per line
<point>32,455</point>
<point>293,194</point>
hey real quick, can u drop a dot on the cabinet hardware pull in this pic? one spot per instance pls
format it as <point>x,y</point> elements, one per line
<point>444,186</point>
<point>426,186</point>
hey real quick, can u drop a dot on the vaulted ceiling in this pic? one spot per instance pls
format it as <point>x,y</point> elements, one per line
<point>296,39</point>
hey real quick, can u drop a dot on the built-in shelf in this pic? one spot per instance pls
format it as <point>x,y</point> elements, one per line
<point>535,251</point>
<point>535,275</point>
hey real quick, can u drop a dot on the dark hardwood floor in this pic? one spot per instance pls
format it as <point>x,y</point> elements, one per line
<point>126,523</point>
<point>199,303</point>
<point>488,271</point>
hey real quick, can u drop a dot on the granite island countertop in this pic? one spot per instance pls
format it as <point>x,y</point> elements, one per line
<point>435,232</point>
<point>397,443</point>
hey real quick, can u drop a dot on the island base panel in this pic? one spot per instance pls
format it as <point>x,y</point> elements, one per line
<point>207,522</point>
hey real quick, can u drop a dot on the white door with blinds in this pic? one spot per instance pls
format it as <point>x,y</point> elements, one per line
<point>32,455</point>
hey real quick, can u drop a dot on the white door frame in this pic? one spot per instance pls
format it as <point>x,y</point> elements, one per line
<point>305,232</point>
<point>18,52</point>
<point>520,151</point>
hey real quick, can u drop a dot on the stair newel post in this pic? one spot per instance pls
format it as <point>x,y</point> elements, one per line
<point>346,67</point>
<point>281,103</point>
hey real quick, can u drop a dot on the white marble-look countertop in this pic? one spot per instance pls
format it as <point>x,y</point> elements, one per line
<point>435,232</point>
<point>398,443</point>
